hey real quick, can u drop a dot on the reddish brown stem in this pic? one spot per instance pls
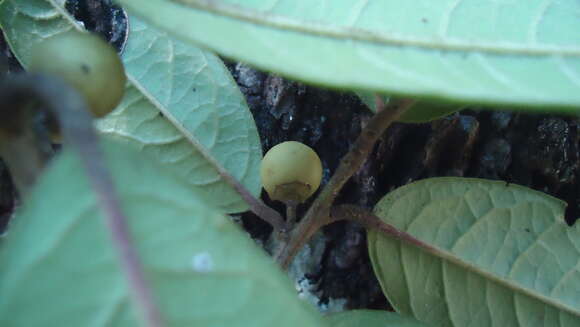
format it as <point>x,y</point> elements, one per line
<point>256,205</point>
<point>318,214</point>
<point>371,221</point>
<point>76,123</point>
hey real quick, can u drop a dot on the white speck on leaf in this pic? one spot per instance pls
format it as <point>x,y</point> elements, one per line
<point>202,262</point>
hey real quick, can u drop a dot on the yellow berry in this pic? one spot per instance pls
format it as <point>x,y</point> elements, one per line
<point>291,171</point>
<point>86,62</point>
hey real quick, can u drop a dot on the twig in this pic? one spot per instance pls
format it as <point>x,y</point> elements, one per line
<point>258,207</point>
<point>75,121</point>
<point>318,214</point>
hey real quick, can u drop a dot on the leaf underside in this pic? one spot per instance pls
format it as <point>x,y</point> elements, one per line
<point>181,106</point>
<point>420,112</point>
<point>58,264</point>
<point>516,53</point>
<point>505,255</point>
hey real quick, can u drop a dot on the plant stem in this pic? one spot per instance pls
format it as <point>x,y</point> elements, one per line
<point>371,221</point>
<point>318,213</point>
<point>258,207</point>
<point>76,123</point>
<point>291,213</point>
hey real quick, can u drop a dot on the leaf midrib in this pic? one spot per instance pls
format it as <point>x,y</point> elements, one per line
<point>279,22</point>
<point>455,259</point>
<point>444,255</point>
<point>170,117</point>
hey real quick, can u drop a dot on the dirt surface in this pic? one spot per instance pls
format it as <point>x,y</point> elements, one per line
<point>539,151</point>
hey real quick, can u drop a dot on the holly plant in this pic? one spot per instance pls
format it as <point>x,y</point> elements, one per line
<point>130,224</point>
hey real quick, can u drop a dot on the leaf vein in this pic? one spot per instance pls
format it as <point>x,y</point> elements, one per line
<point>219,8</point>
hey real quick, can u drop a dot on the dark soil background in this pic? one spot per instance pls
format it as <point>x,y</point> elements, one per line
<point>538,151</point>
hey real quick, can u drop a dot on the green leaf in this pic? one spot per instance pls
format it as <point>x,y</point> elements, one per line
<point>368,98</point>
<point>181,105</point>
<point>503,255</point>
<point>58,264</point>
<point>371,318</point>
<point>420,112</point>
<point>517,53</point>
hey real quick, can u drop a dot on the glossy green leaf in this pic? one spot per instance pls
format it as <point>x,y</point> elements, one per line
<point>519,53</point>
<point>371,318</point>
<point>420,112</point>
<point>181,105</point>
<point>58,265</point>
<point>505,256</point>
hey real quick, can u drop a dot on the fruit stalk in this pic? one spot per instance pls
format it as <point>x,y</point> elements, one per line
<point>291,212</point>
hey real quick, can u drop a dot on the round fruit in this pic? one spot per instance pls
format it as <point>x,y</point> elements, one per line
<point>291,171</point>
<point>86,62</point>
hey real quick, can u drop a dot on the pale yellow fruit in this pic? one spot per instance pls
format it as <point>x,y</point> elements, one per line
<point>291,171</point>
<point>86,62</point>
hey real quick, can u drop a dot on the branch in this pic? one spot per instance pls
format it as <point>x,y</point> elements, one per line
<point>318,214</point>
<point>76,123</point>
